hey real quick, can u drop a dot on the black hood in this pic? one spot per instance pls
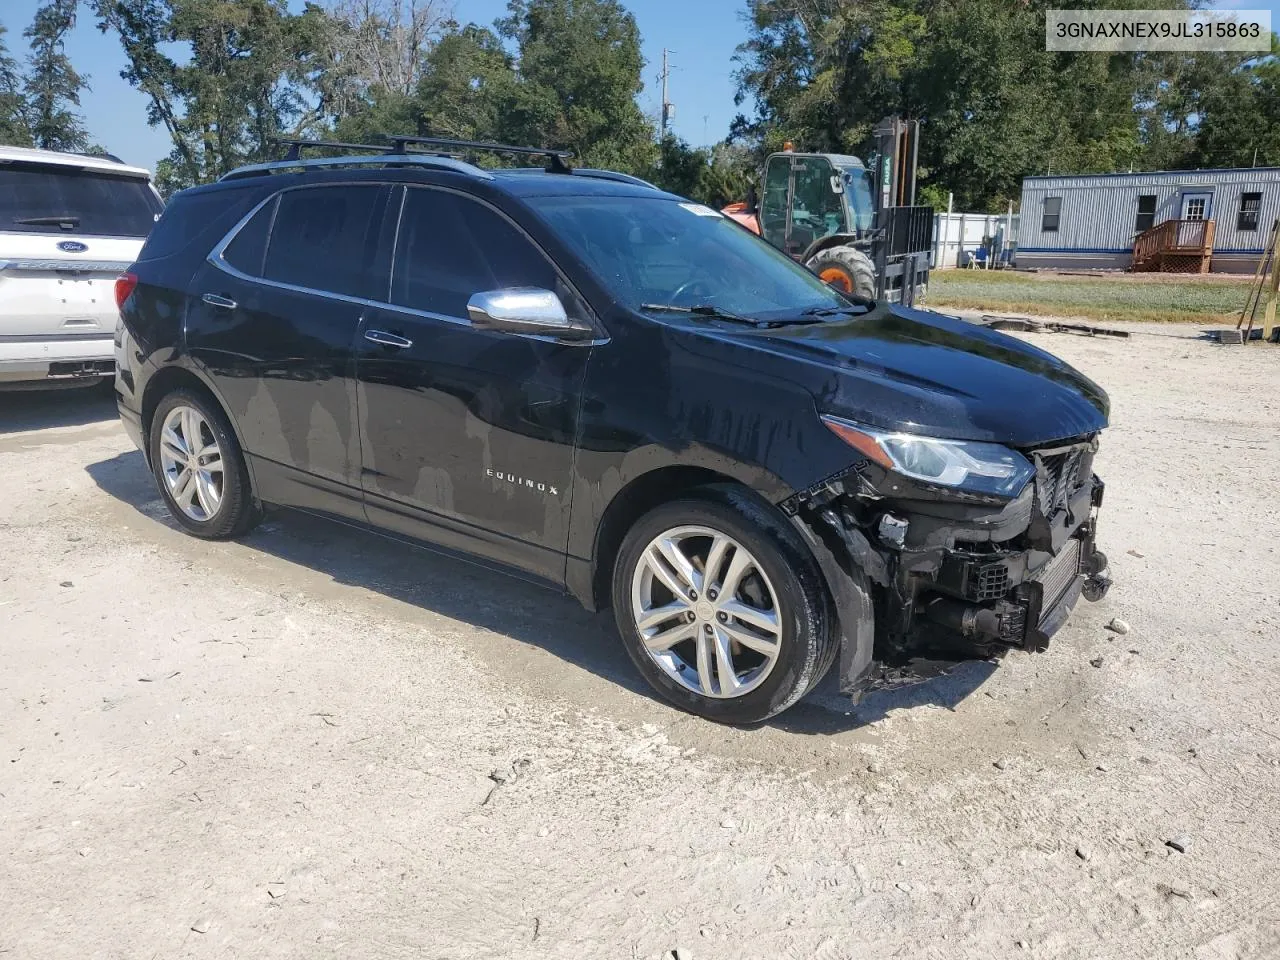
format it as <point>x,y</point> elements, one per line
<point>922,372</point>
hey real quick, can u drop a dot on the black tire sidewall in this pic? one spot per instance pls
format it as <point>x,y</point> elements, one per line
<point>235,511</point>
<point>805,611</point>
<point>855,265</point>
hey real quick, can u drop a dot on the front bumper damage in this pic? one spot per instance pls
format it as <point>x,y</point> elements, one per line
<point>913,567</point>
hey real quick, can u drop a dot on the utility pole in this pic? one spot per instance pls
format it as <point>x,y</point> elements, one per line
<point>668,108</point>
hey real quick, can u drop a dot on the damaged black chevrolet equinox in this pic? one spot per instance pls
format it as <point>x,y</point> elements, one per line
<point>579,378</point>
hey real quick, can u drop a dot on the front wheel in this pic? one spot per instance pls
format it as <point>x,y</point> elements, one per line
<point>722,608</point>
<point>847,269</point>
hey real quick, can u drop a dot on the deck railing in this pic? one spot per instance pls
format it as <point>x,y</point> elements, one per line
<point>1173,238</point>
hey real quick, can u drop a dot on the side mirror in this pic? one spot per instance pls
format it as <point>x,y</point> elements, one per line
<point>525,310</point>
<point>837,185</point>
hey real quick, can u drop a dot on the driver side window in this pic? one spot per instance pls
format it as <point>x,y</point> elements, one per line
<point>451,247</point>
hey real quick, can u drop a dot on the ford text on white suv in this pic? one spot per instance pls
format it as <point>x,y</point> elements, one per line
<point>69,225</point>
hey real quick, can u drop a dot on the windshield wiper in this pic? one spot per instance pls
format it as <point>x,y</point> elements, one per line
<point>703,310</point>
<point>48,221</point>
<point>715,313</point>
<point>859,305</point>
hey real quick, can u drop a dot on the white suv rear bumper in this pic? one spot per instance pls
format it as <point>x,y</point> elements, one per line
<point>35,358</point>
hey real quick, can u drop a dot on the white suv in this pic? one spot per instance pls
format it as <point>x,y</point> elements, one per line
<point>69,225</point>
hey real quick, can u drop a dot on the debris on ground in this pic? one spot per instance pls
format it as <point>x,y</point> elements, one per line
<point>1028,325</point>
<point>1181,844</point>
<point>1119,626</point>
<point>1096,662</point>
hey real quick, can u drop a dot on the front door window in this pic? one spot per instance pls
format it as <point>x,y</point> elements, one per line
<point>1195,206</point>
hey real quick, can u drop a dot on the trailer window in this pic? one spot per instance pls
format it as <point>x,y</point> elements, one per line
<point>1146,213</point>
<point>1247,218</point>
<point>1052,208</point>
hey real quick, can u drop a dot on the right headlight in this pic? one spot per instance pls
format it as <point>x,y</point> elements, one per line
<point>964,464</point>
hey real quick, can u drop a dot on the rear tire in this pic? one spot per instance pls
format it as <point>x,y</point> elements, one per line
<point>847,269</point>
<point>751,635</point>
<point>199,467</point>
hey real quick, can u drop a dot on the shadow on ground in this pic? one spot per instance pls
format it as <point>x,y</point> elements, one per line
<point>22,410</point>
<point>525,612</point>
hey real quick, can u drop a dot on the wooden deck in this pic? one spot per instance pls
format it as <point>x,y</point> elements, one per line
<point>1175,246</point>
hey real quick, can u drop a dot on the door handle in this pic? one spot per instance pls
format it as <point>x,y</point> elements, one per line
<point>213,300</point>
<point>387,339</point>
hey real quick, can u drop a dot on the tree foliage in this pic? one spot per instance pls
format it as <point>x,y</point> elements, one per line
<point>245,79</point>
<point>227,78</point>
<point>52,87</point>
<point>995,105</point>
<point>13,103</point>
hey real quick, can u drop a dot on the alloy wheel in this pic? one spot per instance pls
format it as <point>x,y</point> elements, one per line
<point>706,612</point>
<point>191,462</point>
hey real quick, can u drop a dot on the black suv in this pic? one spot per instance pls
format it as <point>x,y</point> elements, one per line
<point>590,382</point>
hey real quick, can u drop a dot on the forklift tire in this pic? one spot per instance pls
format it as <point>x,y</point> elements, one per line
<point>848,270</point>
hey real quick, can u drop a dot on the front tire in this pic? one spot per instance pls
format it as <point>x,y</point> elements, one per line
<point>847,269</point>
<point>722,608</point>
<point>199,467</point>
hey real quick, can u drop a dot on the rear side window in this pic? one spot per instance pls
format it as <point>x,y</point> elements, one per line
<point>248,248</point>
<point>451,247</point>
<point>323,238</point>
<point>188,217</point>
<point>60,200</point>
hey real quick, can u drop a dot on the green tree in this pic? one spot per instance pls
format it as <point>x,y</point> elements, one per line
<point>13,105</point>
<point>994,105</point>
<point>579,69</point>
<point>52,85</point>
<point>246,77</point>
<point>1237,114</point>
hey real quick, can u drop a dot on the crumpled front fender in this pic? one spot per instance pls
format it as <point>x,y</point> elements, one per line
<point>854,611</point>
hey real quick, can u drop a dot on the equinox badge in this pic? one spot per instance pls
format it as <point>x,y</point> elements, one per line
<point>522,481</point>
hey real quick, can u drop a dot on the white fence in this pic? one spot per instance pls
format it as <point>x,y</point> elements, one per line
<point>957,237</point>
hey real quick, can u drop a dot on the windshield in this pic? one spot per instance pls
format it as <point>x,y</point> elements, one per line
<point>59,199</point>
<point>857,188</point>
<point>651,250</point>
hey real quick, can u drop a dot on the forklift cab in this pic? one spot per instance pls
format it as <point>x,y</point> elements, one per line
<point>808,196</point>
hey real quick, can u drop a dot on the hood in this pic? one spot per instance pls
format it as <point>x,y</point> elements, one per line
<point>917,371</point>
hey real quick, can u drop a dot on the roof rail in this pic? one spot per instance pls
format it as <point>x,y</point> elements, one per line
<point>555,158</point>
<point>383,160</point>
<point>613,175</point>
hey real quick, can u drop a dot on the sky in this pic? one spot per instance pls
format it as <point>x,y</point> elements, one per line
<point>701,35</point>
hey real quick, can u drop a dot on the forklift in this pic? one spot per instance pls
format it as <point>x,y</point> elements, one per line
<point>859,230</point>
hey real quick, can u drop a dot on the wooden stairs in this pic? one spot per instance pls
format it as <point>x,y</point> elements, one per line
<point>1175,246</point>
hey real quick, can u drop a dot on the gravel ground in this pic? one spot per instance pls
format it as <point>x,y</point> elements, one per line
<point>319,744</point>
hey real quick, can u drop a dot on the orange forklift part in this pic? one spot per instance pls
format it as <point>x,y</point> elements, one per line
<point>744,215</point>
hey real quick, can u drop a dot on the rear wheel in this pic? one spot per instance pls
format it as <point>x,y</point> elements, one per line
<point>847,269</point>
<point>721,607</point>
<point>199,468</point>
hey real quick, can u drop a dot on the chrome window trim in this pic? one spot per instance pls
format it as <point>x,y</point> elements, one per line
<point>216,259</point>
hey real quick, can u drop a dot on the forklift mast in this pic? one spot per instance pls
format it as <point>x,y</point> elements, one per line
<point>903,232</point>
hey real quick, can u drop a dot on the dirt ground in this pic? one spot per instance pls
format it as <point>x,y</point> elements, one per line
<point>319,744</point>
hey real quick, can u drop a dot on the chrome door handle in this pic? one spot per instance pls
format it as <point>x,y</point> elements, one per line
<point>387,339</point>
<point>213,300</point>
